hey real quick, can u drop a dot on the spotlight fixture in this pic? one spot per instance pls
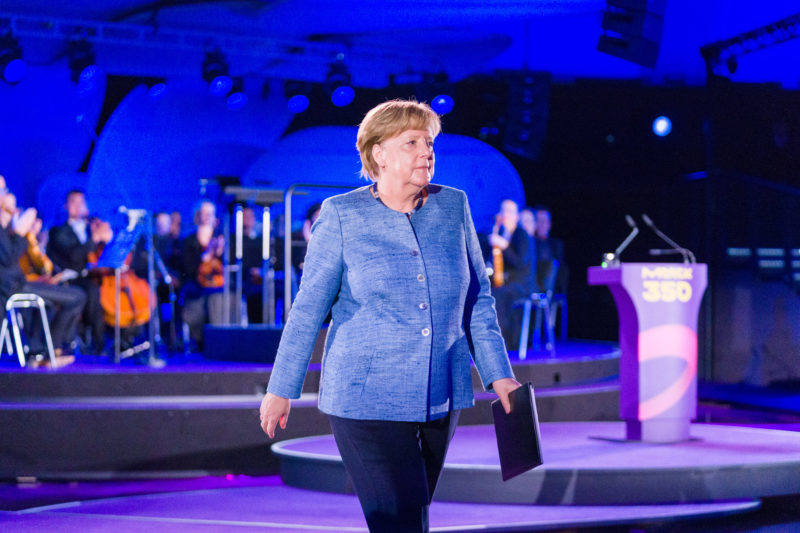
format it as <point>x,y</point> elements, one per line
<point>662,126</point>
<point>337,84</point>
<point>434,88</point>
<point>442,104</point>
<point>12,66</point>
<point>215,73</point>
<point>237,97</point>
<point>82,67</point>
<point>297,94</point>
<point>156,87</point>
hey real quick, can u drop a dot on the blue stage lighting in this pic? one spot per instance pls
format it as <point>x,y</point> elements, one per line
<point>14,71</point>
<point>442,104</point>
<point>342,96</point>
<point>237,100</point>
<point>12,66</point>
<point>337,83</point>
<point>215,73</point>
<point>298,103</point>
<point>157,90</point>
<point>85,86</point>
<point>220,85</point>
<point>82,66</point>
<point>662,126</point>
<point>237,97</point>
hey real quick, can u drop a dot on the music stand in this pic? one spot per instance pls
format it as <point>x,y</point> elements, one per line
<point>113,258</point>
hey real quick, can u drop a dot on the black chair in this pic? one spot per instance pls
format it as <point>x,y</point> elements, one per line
<point>541,301</point>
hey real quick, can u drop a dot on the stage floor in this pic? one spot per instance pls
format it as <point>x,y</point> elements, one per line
<point>589,463</point>
<point>277,508</point>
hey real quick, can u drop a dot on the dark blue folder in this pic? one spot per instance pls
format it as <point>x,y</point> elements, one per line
<point>518,437</point>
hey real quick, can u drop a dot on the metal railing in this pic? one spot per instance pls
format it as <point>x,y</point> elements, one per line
<point>287,237</point>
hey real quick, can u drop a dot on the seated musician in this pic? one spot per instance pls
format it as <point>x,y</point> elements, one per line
<point>168,247</point>
<point>69,247</point>
<point>516,278</point>
<point>203,299</point>
<point>19,247</point>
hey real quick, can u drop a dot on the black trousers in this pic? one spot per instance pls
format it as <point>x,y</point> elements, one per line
<point>68,303</point>
<point>93,317</point>
<point>394,467</point>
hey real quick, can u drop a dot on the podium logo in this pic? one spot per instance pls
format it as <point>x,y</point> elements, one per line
<point>667,273</point>
<point>666,291</point>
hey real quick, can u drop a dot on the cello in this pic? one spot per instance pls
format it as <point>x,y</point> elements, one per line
<point>136,298</point>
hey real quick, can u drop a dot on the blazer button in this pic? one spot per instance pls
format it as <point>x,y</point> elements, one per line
<point>414,253</point>
<point>423,306</point>
<point>426,332</point>
<point>420,277</point>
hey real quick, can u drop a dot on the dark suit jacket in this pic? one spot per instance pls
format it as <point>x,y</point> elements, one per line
<point>519,260</point>
<point>66,251</point>
<point>547,250</point>
<point>12,246</point>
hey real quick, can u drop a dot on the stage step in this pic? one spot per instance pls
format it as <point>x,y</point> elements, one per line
<point>575,362</point>
<point>588,463</point>
<point>203,416</point>
<point>217,433</point>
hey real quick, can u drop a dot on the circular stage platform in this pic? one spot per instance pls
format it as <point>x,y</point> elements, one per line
<point>286,509</point>
<point>588,463</point>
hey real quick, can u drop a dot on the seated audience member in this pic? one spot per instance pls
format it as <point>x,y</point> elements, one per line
<point>519,270</point>
<point>175,224</point>
<point>549,248</point>
<point>19,246</point>
<point>69,246</point>
<point>527,219</point>
<point>203,275</point>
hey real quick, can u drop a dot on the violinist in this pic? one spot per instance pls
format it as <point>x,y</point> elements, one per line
<point>203,299</point>
<point>517,278</point>
<point>18,246</point>
<point>69,247</point>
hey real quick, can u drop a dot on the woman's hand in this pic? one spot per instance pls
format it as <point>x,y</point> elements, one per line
<point>503,387</point>
<point>274,410</point>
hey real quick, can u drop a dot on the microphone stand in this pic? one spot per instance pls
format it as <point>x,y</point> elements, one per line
<point>688,256</point>
<point>612,258</point>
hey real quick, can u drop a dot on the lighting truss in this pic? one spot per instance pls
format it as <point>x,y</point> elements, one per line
<point>725,53</point>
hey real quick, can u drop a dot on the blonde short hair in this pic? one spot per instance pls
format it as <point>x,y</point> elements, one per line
<point>388,119</point>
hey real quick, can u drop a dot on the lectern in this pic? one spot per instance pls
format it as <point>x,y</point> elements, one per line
<point>658,305</point>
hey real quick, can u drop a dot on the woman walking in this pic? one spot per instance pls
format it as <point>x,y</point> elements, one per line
<point>398,265</point>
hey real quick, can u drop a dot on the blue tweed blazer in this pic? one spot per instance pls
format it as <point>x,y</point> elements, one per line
<point>410,300</point>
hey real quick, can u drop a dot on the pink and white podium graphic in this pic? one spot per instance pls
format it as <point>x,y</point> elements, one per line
<point>658,304</point>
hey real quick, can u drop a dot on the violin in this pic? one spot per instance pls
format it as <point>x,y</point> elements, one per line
<point>210,273</point>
